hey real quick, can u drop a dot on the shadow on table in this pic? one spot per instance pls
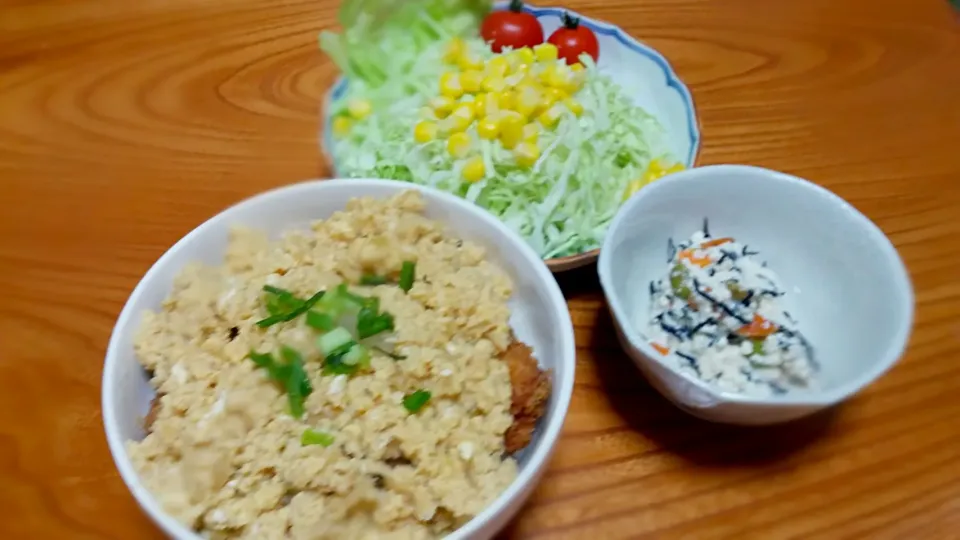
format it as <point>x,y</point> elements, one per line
<point>579,282</point>
<point>702,443</point>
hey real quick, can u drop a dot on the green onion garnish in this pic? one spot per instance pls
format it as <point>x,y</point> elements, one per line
<point>372,279</point>
<point>290,375</point>
<point>283,306</point>
<point>390,354</point>
<point>311,436</point>
<point>407,271</point>
<point>320,321</point>
<point>298,385</point>
<point>339,362</point>
<point>371,323</point>
<point>415,401</point>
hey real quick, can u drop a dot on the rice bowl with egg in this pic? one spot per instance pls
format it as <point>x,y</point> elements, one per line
<point>254,436</point>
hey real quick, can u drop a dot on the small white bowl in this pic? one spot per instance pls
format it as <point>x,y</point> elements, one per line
<point>844,280</point>
<point>539,318</point>
<point>625,60</point>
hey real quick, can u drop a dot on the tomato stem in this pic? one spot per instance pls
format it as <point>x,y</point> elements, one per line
<point>569,21</point>
<point>516,6</point>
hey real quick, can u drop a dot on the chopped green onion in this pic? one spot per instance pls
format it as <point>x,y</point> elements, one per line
<point>358,356</point>
<point>370,323</point>
<point>334,340</point>
<point>415,401</point>
<point>311,437</point>
<point>372,279</point>
<point>283,306</point>
<point>320,321</point>
<point>336,363</point>
<point>298,385</point>
<point>277,291</point>
<point>407,271</point>
<point>291,376</point>
<point>390,354</point>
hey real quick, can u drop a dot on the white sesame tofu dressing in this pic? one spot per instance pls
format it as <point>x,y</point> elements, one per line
<point>718,314</point>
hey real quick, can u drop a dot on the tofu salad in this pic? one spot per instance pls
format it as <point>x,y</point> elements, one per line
<point>718,313</point>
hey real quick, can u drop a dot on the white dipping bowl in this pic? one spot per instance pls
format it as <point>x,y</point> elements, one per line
<point>539,318</point>
<point>844,281</point>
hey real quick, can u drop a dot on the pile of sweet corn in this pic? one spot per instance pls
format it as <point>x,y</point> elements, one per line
<point>655,171</point>
<point>509,98</point>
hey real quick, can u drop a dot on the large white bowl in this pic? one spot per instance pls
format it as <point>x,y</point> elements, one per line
<point>625,60</point>
<point>539,318</point>
<point>844,280</point>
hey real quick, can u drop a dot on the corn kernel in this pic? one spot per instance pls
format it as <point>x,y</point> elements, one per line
<point>488,128</point>
<point>577,68</point>
<point>341,126</point>
<point>550,117</point>
<point>425,132</point>
<point>511,130</point>
<point>526,154</point>
<point>454,51</point>
<point>575,107</point>
<point>528,101</point>
<point>557,77</point>
<point>525,55</point>
<point>675,168</point>
<point>494,83</point>
<point>506,100</point>
<point>461,117</point>
<point>547,99</point>
<point>359,108</point>
<point>470,80</point>
<point>480,105</point>
<point>546,52</point>
<point>556,94</point>
<point>498,65</point>
<point>531,132</point>
<point>632,188</point>
<point>468,61</point>
<point>450,85</point>
<point>458,145</point>
<point>442,106</point>
<point>474,170</point>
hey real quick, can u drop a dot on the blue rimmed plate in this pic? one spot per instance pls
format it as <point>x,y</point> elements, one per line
<point>625,60</point>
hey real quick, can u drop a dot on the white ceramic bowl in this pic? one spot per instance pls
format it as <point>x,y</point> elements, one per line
<point>844,280</point>
<point>539,318</point>
<point>627,61</point>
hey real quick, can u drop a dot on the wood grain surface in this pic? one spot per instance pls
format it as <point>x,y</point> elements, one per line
<point>126,123</point>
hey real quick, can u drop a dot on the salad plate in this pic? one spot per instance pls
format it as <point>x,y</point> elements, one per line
<point>647,81</point>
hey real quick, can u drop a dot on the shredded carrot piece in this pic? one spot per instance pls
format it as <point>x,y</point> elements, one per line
<point>689,255</point>
<point>660,348</point>
<point>758,328</point>
<point>716,242</point>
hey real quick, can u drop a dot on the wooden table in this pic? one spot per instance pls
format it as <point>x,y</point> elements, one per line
<point>124,124</point>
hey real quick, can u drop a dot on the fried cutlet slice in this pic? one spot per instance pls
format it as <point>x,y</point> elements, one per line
<point>530,391</point>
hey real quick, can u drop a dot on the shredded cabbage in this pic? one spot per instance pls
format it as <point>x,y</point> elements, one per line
<point>561,206</point>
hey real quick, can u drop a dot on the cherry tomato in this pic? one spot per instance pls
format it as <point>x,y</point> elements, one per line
<point>572,40</point>
<point>511,28</point>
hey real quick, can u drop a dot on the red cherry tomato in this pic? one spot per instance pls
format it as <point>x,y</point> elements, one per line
<point>511,28</point>
<point>572,40</point>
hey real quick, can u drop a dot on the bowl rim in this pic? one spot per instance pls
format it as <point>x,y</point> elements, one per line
<point>898,343</point>
<point>506,502</point>
<point>600,27</point>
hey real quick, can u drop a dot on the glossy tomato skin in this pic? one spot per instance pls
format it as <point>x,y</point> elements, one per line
<point>572,42</point>
<point>510,28</point>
